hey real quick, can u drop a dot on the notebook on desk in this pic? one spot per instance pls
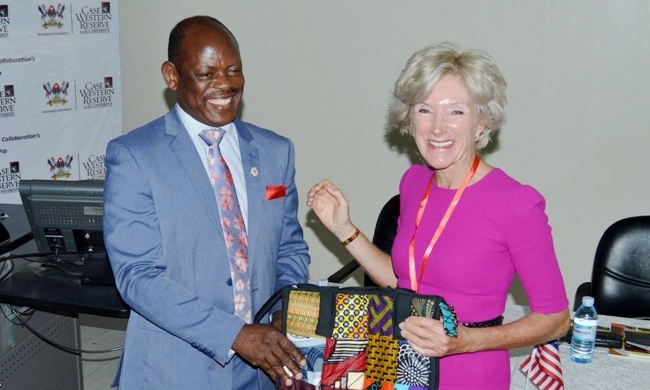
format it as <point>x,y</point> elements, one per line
<point>636,342</point>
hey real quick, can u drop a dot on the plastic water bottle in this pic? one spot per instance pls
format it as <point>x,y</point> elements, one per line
<point>585,324</point>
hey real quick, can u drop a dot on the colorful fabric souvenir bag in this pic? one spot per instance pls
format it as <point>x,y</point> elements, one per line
<point>351,340</point>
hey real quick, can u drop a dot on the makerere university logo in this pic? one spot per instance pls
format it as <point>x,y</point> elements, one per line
<point>56,94</point>
<point>10,178</point>
<point>95,20</point>
<point>52,17</point>
<point>60,167</point>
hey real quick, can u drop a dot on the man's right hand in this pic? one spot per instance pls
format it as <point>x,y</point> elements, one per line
<point>265,347</point>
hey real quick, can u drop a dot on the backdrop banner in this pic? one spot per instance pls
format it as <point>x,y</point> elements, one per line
<point>60,90</point>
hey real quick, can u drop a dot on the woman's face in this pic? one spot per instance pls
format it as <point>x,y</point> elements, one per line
<point>446,124</point>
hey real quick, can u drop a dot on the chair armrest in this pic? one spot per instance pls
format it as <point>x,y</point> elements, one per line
<point>20,241</point>
<point>343,273</point>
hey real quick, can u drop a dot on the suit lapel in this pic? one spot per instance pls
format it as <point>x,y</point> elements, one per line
<point>254,191</point>
<point>190,161</point>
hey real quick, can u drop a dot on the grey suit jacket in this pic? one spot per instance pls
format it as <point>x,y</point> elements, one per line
<point>165,244</point>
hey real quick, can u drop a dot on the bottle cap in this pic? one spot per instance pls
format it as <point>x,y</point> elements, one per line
<point>588,301</point>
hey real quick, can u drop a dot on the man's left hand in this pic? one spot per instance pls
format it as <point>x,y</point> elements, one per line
<point>276,320</point>
<point>265,347</point>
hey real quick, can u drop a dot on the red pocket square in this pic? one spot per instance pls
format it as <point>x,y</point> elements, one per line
<point>275,192</point>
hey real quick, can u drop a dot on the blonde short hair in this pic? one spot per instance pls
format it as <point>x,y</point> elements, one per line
<point>426,67</point>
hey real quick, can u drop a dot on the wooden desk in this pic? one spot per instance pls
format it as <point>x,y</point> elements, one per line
<point>605,372</point>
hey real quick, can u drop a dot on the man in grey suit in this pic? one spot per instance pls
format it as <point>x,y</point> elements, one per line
<point>164,236</point>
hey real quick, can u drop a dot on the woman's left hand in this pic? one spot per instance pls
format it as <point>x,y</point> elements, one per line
<point>427,337</point>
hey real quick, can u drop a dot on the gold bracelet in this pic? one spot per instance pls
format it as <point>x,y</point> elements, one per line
<point>351,238</point>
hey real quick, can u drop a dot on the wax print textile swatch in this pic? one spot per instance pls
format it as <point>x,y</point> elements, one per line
<point>302,313</point>
<point>381,362</point>
<point>313,349</point>
<point>422,307</point>
<point>371,384</point>
<point>351,320</point>
<point>412,368</point>
<point>344,365</point>
<point>380,315</point>
<point>426,308</point>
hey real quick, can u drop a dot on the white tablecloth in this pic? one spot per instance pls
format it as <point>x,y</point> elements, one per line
<point>604,372</point>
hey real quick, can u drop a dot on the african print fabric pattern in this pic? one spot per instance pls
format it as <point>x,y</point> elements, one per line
<point>412,368</point>
<point>313,349</point>
<point>302,313</point>
<point>371,384</point>
<point>345,361</point>
<point>422,307</point>
<point>381,363</point>
<point>351,321</point>
<point>449,319</point>
<point>358,345</point>
<point>380,315</point>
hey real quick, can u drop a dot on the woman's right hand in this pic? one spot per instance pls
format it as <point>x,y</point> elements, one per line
<point>332,208</point>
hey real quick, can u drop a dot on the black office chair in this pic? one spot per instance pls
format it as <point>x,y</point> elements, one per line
<point>383,237</point>
<point>620,280</point>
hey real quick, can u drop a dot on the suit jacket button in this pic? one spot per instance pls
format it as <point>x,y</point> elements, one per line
<point>229,281</point>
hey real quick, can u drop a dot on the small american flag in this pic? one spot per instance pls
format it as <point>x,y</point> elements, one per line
<point>543,367</point>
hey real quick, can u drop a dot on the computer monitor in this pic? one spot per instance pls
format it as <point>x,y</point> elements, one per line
<point>66,220</point>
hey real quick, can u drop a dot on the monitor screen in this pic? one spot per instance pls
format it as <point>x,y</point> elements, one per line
<point>66,220</point>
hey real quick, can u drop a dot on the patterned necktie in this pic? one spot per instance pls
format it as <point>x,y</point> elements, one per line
<point>232,223</point>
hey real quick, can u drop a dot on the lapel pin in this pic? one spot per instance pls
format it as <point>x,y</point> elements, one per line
<point>254,171</point>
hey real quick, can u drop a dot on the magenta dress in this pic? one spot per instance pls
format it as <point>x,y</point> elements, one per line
<point>499,227</point>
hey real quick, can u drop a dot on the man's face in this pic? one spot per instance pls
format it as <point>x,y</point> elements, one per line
<point>208,78</point>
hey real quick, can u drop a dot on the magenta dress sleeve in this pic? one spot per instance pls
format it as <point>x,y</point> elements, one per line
<point>531,250</point>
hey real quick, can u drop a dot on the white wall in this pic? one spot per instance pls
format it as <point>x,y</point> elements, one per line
<point>321,73</point>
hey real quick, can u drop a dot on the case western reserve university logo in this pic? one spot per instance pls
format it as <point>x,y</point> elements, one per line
<point>60,167</point>
<point>9,178</point>
<point>95,168</point>
<point>97,95</point>
<point>52,17</point>
<point>7,101</point>
<point>4,21</point>
<point>95,20</point>
<point>56,93</point>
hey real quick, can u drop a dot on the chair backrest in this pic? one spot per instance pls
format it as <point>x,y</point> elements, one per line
<point>620,281</point>
<point>385,230</point>
<point>386,226</point>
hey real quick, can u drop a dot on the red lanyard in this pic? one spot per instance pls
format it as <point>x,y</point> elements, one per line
<point>415,282</point>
